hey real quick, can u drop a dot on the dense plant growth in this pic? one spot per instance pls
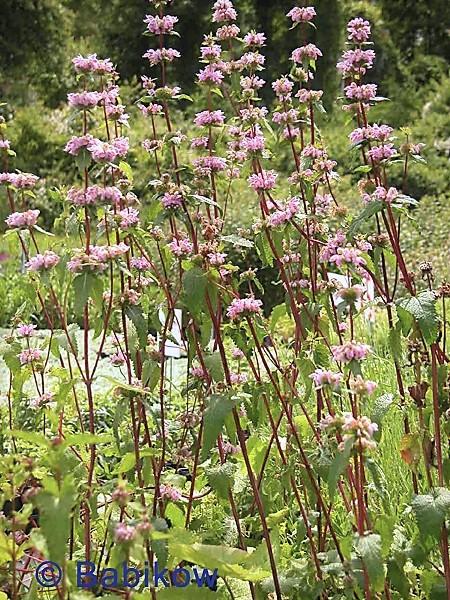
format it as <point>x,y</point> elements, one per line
<point>301,449</point>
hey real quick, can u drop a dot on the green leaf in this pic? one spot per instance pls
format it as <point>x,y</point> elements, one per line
<point>194,284</point>
<point>338,466</point>
<point>368,548</point>
<point>54,518</point>
<point>126,170</point>
<point>431,510</point>
<point>134,313</point>
<point>220,478</point>
<point>422,309</point>
<point>219,407</point>
<point>380,409</point>
<point>86,285</point>
<point>230,562</point>
<point>213,363</point>
<point>237,240</point>
<point>372,208</point>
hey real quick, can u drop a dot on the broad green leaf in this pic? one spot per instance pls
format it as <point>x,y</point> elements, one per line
<point>229,561</point>
<point>368,548</point>
<point>86,285</point>
<point>134,313</point>
<point>194,284</point>
<point>380,409</point>
<point>219,407</point>
<point>213,363</point>
<point>220,478</point>
<point>237,240</point>
<point>422,309</point>
<point>431,510</point>
<point>54,518</point>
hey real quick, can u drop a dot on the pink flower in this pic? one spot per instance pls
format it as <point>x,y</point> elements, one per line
<point>129,217</point>
<point>168,492</point>
<point>200,142</point>
<point>75,144</point>
<point>108,151</point>
<point>381,193</point>
<point>84,99</point>
<point>252,82</point>
<point>172,200</point>
<point>363,92</point>
<point>210,75</point>
<point>124,533</point>
<point>309,51</point>
<point>199,373</point>
<point>228,448</point>
<point>21,181</point>
<point>312,152</point>
<point>43,399</point>
<point>118,359</point>
<point>283,87</point>
<point>358,30</point>
<point>5,144</point>
<point>216,258</point>
<point>362,387</point>
<point>265,180</point>
<point>241,307</point>
<point>321,377</point>
<point>211,52</point>
<point>42,262</point>
<point>160,25</point>
<point>92,64</point>
<point>181,247</point>
<point>151,109</point>
<point>164,54</point>
<point>28,356</point>
<point>141,264</point>
<point>350,351</point>
<point>379,153</point>
<point>223,11</point>
<point>301,14</point>
<point>209,117</point>
<point>254,39</point>
<point>205,165</point>
<point>23,219</point>
<point>95,194</point>
<point>356,61</point>
<point>238,378</point>
<point>237,353</point>
<point>25,330</point>
<point>347,256</point>
<point>227,32</point>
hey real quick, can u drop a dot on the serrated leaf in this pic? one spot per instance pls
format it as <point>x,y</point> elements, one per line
<point>220,478</point>
<point>368,548</point>
<point>380,409</point>
<point>431,510</point>
<point>422,309</point>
